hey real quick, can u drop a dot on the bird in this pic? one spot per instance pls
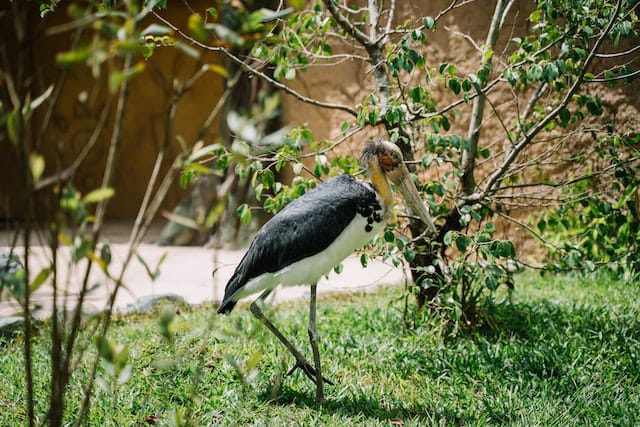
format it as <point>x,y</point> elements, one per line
<point>316,232</point>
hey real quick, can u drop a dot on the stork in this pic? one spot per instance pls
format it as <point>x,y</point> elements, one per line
<point>314,233</point>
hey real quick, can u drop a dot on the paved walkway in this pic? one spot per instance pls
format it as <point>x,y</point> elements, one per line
<point>186,271</point>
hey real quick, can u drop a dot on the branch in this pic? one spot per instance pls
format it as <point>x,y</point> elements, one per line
<point>477,114</point>
<point>248,68</point>
<point>570,181</point>
<point>617,54</point>
<point>612,79</point>
<point>358,35</point>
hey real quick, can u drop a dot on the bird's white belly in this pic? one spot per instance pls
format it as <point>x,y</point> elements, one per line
<point>309,270</point>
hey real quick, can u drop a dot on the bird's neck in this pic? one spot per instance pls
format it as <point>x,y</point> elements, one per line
<point>380,183</point>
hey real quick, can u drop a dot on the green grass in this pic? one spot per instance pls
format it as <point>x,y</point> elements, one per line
<point>564,351</point>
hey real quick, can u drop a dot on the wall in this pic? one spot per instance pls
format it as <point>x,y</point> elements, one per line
<point>80,106</point>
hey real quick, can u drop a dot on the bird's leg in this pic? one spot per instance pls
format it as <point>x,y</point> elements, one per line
<point>313,339</point>
<point>301,362</point>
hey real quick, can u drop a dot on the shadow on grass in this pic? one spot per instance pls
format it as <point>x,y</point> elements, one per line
<point>535,320</point>
<point>350,406</point>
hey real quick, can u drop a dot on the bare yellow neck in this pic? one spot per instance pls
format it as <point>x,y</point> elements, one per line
<point>381,185</point>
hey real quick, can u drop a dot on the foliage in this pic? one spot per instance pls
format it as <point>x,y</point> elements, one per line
<point>565,350</point>
<point>599,224</point>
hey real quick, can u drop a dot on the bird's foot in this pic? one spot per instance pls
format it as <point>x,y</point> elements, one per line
<point>309,371</point>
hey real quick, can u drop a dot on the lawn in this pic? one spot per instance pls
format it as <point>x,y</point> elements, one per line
<point>562,351</point>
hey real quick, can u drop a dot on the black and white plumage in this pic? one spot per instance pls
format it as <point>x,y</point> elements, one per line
<point>310,236</point>
<point>315,232</point>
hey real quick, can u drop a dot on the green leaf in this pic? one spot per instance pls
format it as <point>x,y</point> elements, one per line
<point>98,195</point>
<point>197,28</point>
<point>448,237</point>
<point>13,127</point>
<point>106,348</point>
<point>564,116</point>
<point>409,255</point>
<point>244,213</point>
<point>67,59</point>
<point>116,78</point>
<point>594,106</point>
<point>40,279</point>
<point>462,242</point>
<point>198,169</point>
<point>503,249</point>
<point>550,72</point>
<point>389,236</point>
<point>338,268</point>
<point>428,22</point>
<point>36,165</point>
<point>454,85</point>
<point>534,73</point>
<point>218,69</point>
<point>364,260</point>
<point>105,253</point>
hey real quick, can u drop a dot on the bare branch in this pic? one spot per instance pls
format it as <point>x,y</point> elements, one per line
<point>347,26</point>
<point>247,67</point>
<point>618,54</point>
<point>477,114</point>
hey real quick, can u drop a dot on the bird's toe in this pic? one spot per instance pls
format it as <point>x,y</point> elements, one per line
<point>309,371</point>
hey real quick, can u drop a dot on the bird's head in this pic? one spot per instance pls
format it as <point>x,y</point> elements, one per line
<point>383,160</point>
<point>384,157</point>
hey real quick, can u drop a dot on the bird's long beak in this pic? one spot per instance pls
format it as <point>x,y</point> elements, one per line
<point>402,179</point>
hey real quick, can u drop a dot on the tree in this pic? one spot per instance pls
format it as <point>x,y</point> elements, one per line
<point>543,86</point>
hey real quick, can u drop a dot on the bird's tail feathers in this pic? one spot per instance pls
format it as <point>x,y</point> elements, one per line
<point>230,291</point>
<point>226,306</point>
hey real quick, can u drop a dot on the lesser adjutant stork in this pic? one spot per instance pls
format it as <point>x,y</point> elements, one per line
<point>315,232</point>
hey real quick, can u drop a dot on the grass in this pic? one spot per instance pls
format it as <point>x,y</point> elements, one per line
<point>564,351</point>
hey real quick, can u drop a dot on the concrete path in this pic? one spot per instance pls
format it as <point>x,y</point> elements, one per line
<point>186,272</point>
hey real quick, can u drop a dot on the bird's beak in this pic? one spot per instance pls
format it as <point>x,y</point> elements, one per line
<point>402,179</point>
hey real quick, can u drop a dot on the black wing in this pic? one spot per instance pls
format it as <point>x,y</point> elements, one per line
<point>306,226</point>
